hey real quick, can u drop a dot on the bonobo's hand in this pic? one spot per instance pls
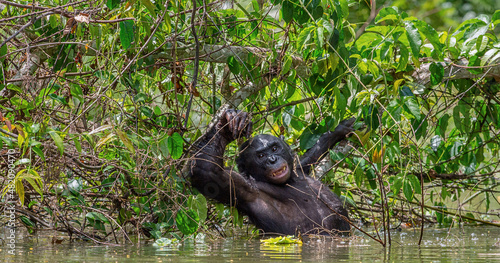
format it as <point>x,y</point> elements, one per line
<point>345,127</point>
<point>234,124</point>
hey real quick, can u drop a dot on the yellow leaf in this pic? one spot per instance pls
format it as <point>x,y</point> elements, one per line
<point>20,137</point>
<point>20,190</point>
<point>105,140</point>
<point>281,240</point>
<point>276,130</point>
<point>397,84</point>
<point>377,155</point>
<point>444,37</point>
<point>61,73</point>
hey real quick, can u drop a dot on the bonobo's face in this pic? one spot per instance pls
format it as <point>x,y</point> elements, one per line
<point>266,158</point>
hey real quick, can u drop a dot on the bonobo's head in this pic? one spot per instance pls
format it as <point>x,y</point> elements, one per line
<point>266,158</point>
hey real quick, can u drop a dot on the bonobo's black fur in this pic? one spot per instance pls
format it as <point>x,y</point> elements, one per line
<point>273,189</point>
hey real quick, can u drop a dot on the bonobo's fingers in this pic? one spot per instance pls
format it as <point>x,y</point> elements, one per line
<point>249,129</point>
<point>232,122</point>
<point>243,120</point>
<point>348,122</point>
<point>226,122</point>
<point>345,126</point>
<point>236,123</point>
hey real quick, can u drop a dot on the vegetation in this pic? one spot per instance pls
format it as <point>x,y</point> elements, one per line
<point>101,101</point>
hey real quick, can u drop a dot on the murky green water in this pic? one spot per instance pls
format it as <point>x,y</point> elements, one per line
<point>469,244</point>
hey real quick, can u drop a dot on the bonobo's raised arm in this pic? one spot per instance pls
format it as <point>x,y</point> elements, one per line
<point>207,170</point>
<point>325,143</point>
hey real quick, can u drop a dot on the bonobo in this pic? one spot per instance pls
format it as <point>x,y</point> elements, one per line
<point>275,191</point>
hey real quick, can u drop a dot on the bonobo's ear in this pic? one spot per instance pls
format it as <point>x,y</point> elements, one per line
<point>240,162</point>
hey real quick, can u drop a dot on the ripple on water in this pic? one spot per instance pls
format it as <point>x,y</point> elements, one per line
<point>480,244</point>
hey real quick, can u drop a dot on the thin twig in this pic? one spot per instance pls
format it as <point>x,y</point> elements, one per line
<point>196,63</point>
<point>23,27</point>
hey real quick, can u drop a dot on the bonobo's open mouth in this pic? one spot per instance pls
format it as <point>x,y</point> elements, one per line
<point>280,173</point>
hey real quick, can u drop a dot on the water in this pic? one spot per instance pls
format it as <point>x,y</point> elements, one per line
<point>469,244</point>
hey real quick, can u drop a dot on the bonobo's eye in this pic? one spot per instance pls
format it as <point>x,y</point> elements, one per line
<point>260,155</point>
<point>275,148</point>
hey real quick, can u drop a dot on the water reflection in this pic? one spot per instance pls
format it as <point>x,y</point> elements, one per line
<point>439,245</point>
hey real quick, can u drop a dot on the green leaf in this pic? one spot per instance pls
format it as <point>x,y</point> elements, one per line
<point>96,216</point>
<point>437,73</point>
<point>53,21</point>
<point>496,18</point>
<point>187,221</point>
<point>359,176</point>
<point>407,190</point>
<point>431,34</point>
<point>404,56</point>
<point>3,52</point>
<point>413,38</point>
<point>319,37</point>
<point>157,110</point>
<point>415,183</point>
<point>317,83</point>
<point>175,145</point>
<point>308,138</point>
<point>150,7</point>
<point>62,100</point>
<point>482,43</point>
<point>491,56</point>
<point>317,12</point>
<point>286,65</point>
<point>148,112</point>
<point>388,13</point>
<point>397,185</point>
<point>39,152</point>
<point>344,7</point>
<point>164,147</point>
<point>287,10</point>
<point>440,216</point>
<point>475,61</point>
<point>370,117</point>
<point>29,224</point>
<point>305,36</point>
<point>58,141</point>
<point>27,221</point>
<point>124,138</point>
<point>112,4</point>
<point>126,33</point>
<point>340,103</point>
<point>233,64</point>
<point>198,203</point>
<point>443,124</point>
<point>78,145</point>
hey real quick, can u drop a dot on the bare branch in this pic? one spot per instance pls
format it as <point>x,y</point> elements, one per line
<point>457,70</point>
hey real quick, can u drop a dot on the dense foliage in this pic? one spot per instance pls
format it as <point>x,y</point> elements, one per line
<point>101,101</point>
